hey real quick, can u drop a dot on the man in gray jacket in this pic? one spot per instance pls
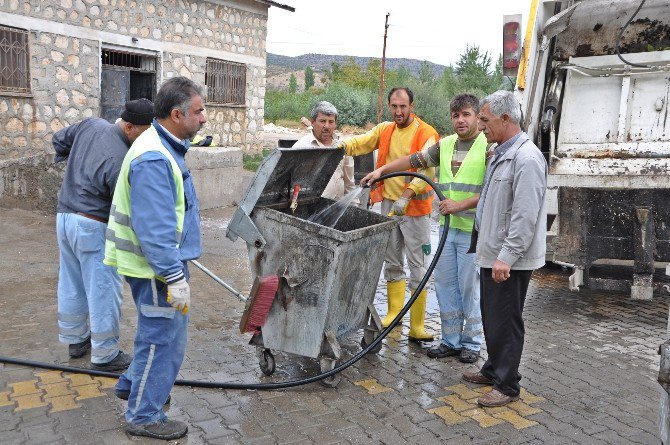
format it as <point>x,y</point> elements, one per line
<point>511,231</point>
<point>89,292</point>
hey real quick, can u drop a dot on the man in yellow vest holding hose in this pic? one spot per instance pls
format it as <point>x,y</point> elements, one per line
<point>153,230</point>
<point>409,201</point>
<point>462,161</point>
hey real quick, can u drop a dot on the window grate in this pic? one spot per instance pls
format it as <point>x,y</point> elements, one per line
<point>14,60</point>
<point>136,62</point>
<point>226,82</point>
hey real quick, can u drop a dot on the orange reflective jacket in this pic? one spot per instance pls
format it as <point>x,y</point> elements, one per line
<point>421,204</point>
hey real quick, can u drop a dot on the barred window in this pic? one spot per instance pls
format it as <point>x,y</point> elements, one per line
<point>226,82</point>
<point>14,60</point>
<point>137,62</point>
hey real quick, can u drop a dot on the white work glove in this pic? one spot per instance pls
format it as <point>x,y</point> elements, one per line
<point>179,295</point>
<point>399,207</point>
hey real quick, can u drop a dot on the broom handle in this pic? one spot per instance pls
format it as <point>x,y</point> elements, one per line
<point>219,280</point>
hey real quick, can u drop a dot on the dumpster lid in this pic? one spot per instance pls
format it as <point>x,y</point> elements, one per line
<point>310,168</point>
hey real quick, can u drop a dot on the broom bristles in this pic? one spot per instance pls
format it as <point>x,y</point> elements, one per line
<point>260,301</point>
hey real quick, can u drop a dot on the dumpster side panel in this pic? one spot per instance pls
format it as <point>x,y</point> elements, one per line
<point>296,320</point>
<point>358,266</point>
<point>327,281</point>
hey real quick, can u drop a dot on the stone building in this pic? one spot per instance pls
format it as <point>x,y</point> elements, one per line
<point>65,60</point>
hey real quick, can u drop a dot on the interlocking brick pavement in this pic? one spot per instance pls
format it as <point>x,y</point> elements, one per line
<point>589,368</point>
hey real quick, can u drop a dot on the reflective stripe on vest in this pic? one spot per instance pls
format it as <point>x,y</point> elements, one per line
<point>421,204</point>
<point>124,220</point>
<point>122,248</point>
<point>468,179</point>
<point>458,187</point>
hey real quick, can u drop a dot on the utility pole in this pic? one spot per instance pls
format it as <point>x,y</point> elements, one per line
<point>381,83</point>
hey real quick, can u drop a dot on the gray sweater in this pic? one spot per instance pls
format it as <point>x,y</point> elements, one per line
<point>94,150</point>
<point>513,226</point>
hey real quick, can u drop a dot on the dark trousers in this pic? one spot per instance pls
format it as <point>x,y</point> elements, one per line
<point>502,308</point>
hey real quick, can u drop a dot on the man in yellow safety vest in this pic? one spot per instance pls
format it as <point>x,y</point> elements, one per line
<point>462,161</point>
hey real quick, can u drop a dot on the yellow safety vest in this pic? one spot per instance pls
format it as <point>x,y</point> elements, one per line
<point>122,248</point>
<point>468,180</point>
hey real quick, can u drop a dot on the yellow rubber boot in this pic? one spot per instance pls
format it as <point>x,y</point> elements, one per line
<point>395,294</point>
<point>417,319</point>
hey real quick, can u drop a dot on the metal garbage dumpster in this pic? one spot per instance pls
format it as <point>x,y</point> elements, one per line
<point>327,275</point>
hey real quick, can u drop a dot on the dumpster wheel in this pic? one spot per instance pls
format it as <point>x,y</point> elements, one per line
<point>375,350</point>
<point>326,365</point>
<point>266,361</point>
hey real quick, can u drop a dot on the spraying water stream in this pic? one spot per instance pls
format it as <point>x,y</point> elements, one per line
<point>330,215</point>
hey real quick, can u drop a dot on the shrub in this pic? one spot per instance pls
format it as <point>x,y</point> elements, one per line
<point>252,161</point>
<point>354,106</point>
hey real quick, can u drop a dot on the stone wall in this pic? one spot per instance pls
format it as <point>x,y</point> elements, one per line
<point>65,45</point>
<point>64,84</point>
<point>199,23</point>
<point>229,125</point>
<point>65,78</point>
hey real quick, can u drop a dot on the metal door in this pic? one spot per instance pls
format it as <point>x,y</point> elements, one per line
<point>114,90</point>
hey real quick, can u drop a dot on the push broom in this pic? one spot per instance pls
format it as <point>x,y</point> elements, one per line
<point>258,303</point>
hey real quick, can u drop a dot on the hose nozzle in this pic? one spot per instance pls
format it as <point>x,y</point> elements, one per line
<point>294,198</point>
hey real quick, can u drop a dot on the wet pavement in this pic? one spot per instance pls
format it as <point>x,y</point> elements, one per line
<point>589,367</point>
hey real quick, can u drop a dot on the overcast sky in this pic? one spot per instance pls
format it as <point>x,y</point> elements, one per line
<point>433,30</point>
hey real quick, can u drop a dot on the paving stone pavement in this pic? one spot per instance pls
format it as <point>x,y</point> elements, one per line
<point>589,367</point>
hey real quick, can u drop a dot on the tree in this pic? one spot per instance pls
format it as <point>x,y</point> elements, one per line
<point>292,84</point>
<point>473,62</point>
<point>309,78</point>
<point>351,73</point>
<point>334,72</point>
<point>426,73</point>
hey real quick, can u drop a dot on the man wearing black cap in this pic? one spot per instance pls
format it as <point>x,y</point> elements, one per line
<point>89,292</point>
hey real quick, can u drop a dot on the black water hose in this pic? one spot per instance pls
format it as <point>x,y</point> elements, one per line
<point>292,383</point>
<point>620,36</point>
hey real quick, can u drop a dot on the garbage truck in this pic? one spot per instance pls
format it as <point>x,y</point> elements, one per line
<point>594,83</point>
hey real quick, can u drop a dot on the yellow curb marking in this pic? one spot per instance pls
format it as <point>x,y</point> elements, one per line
<point>56,390</point>
<point>24,388</point>
<point>483,389</point>
<point>457,403</point>
<point>87,391</point>
<point>523,409</point>
<point>53,389</point>
<point>50,377</point>
<point>62,403</point>
<point>4,399</point>
<point>106,382</point>
<point>463,391</point>
<point>481,417</point>
<point>516,420</point>
<point>29,401</point>
<point>449,415</point>
<point>80,379</point>
<point>461,406</point>
<point>372,386</point>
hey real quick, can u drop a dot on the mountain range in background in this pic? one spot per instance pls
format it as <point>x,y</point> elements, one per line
<point>321,62</point>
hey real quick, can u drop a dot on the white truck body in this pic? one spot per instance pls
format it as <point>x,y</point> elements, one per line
<point>604,125</point>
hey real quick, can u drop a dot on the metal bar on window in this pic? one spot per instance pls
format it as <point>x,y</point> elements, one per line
<point>226,82</point>
<point>14,60</point>
<point>133,61</point>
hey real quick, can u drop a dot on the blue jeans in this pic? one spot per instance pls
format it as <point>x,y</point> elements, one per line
<point>457,289</point>
<point>88,290</point>
<point>160,345</point>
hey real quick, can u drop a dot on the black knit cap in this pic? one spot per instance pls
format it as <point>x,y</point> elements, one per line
<point>138,112</point>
